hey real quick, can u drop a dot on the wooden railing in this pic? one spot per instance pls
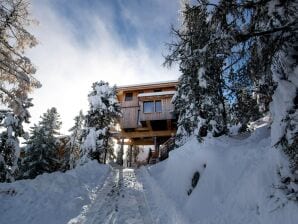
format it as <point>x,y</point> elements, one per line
<point>166,147</point>
<point>156,116</point>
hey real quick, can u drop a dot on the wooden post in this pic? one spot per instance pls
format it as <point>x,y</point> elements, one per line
<point>120,153</point>
<point>106,142</point>
<point>156,146</point>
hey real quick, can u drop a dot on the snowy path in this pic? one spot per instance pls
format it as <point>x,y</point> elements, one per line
<point>120,200</point>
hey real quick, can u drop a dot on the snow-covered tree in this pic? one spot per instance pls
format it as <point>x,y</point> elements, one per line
<point>16,80</point>
<point>245,109</point>
<point>257,41</point>
<point>264,35</point>
<point>199,101</point>
<point>42,147</point>
<point>12,126</point>
<point>103,113</point>
<point>75,141</point>
<point>16,70</point>
<point>9,149</point>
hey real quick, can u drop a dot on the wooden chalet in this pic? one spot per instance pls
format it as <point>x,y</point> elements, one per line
<point>147,113</point>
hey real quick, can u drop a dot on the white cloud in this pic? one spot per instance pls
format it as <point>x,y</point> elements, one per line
<point>67,68</point>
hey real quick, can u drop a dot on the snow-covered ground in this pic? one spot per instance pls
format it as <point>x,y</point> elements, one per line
<point>120,200</point>
<point>238,183</point>
<point>51,198</point>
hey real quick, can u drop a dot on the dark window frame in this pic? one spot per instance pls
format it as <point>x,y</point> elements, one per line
<point>128,96</point>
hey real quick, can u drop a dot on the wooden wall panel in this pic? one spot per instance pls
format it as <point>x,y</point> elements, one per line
<point>129,117</point>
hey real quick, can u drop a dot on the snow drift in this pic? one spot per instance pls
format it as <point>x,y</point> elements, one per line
<point>50,198</point>
<point>238,181</point>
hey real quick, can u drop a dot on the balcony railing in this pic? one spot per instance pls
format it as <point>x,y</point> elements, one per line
<point>167,115</point>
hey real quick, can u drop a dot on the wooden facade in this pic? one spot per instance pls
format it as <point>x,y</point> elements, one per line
<point>147,113</point>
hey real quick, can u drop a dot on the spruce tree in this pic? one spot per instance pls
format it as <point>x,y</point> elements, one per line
<point>12,126</point>
<point>257,43</point>
<point>261,38</point>
<point>17,80</point>
<point>103,113</point>
<point>245,109</point>
<point>74,145</point>
<point>9,149</point>
<point>249,45</point>
<point>199,101</point>
<point>42,147</point>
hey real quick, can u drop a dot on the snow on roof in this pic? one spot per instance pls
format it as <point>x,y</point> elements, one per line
<point>157,93</point>
<point>146,84</point>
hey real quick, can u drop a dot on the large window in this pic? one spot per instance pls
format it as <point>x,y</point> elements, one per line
<point>152,106</point>
<point>148,107</point>
<point>128,97</point>
<point>158,107</point>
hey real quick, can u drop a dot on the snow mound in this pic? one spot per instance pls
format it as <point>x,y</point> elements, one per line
<point>50,198</point>
<point>237,181</point>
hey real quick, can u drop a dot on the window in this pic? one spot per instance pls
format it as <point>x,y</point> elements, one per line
<point>148,107</point>
<point>158,107</point>
<point>157,90</point>
<point>128,97</point>
<point>152,106</point>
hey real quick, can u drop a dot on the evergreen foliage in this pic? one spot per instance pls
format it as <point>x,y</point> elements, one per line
<point>9,141</point>
<point>103,113</point>
<point>199,101</point>
<point>16,81</point>
<point>73,146</point>
<point>9,149</point>
<point>245,53</point>
<point>245,109</point>
<point>42,147</point>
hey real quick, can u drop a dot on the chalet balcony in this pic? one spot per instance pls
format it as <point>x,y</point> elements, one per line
<point>156,109</point>
<point>166,115</point>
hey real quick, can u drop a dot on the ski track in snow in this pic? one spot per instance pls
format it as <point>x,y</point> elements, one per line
<point>120,200</point>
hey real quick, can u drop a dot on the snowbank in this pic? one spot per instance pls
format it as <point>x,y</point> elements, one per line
<point>236,183</point>
<point>50,198</point>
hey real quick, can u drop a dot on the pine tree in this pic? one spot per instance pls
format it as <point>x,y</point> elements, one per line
<point>250,45</point>
<point>262,44</point>
<point>245,109</point>
<point>75,141</point>
<point>42,147</point>
<point>16,81</point>
<point>9,141</point>
<point>9,150</point>
<point>199,101</point>
<point>103,113</point>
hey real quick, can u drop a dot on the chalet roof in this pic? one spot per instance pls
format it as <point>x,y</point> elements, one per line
<point>151,85</point>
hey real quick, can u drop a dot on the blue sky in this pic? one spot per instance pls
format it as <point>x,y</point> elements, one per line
<point>131,20</point>
<point>83,41</point>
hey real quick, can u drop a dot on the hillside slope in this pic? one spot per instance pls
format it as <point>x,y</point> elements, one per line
<point>51,198</point>
<point>237,181</point>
